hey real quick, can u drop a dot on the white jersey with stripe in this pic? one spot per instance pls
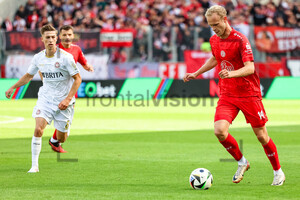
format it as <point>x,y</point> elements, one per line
<point>57,72</point>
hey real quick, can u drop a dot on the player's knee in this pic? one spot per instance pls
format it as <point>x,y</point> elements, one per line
<point>38,132</point>
<point>220,133</point>
<point>263,139</point>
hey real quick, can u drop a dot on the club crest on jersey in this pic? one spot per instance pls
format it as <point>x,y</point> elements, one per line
<point>227,65</point>
<point>38,112</point>
<point>223,53</point>
<point>57,65</point>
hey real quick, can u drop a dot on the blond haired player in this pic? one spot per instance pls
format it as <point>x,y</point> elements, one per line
<point>239,90</point>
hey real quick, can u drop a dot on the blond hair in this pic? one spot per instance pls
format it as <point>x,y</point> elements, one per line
<point>47,27</point>
<point>219,10</point>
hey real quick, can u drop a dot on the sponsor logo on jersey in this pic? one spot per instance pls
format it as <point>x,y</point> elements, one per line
<point>57,65</point>
<point>248,47</point>
<point>227,65</point>
<point>52,74</point>
<point>223,53</point>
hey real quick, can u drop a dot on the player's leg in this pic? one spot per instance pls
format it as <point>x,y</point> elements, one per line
<point>36,143</point>
<point>271,152</point>
<point>61,138</point>
<point>231,145</point>
<point>227,140</point>
<point>225,114</point>
<point>54,141</point>
<point>62,122</point>
<point>255,115</point>
<point>54,137</point>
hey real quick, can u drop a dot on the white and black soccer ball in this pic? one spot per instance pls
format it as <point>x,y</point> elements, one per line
<point>201,179</point>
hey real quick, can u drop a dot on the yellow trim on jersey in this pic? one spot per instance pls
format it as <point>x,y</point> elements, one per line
<point>50,56</point>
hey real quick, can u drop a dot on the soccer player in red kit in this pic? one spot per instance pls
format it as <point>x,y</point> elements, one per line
<point>239,90</point>
<point>66,35</point>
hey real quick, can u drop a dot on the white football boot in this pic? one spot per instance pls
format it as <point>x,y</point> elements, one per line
<point>33,169</point>
<point>278,179</point>
<point>239,174</point>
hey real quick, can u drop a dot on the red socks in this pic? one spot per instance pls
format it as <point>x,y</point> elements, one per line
<point>270,149</point>
<point>271,152</point>
<point>232,147</point>
<point>54,135</point>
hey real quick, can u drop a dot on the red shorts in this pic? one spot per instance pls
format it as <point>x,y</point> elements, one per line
<point>252,108</point>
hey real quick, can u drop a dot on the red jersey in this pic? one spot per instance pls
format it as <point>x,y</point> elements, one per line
<point>231,53</point>
<point>76,52</point>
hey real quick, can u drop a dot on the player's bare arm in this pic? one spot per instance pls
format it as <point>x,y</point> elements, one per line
<point>88,67</point>
<point>210,63</point>
<point>22,81</point>
<point>248,69</point>
<point>65,103</point>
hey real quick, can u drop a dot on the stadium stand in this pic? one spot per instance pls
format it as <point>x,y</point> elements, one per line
<point>185,18</point>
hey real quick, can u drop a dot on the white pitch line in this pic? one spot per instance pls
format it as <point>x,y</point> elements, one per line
<point>10,119</point>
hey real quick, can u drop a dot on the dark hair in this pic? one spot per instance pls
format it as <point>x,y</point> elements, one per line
<point>47,27</point>
<point>66,28</point>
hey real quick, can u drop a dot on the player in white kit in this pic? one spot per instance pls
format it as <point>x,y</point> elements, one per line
<point>56,97</point>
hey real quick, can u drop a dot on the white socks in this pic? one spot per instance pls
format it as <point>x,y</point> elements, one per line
<point>53,140</point>
<point>278,172</point>
<point>243,161</point>
<point>36,145</point>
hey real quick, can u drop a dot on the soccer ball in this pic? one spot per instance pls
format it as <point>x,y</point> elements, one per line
<point>201,179</point>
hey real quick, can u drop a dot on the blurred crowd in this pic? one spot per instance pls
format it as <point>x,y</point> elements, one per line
<point>185,17</point>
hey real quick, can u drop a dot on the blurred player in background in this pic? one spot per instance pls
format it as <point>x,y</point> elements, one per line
<point>61,80</point>
<point>66,35</point>
<point>239,90</point>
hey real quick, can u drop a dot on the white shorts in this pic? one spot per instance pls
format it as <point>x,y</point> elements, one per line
<point>62,118</point>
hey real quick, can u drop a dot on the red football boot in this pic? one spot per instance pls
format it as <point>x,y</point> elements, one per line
<point>56,147</point>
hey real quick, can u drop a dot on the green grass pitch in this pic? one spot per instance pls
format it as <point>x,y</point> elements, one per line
<point>144,151</point>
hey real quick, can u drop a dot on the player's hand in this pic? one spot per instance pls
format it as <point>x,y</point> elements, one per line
<point>64,104</point>
<point>224,73</point>
<point>90,68</point>
<point>9,92</point>
<point>188,76</point>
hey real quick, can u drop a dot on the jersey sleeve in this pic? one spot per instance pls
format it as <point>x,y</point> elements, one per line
<point>71,65</point>
<point>246,50</point>
<point>211,40</point>
<point>33,68</point>
<point>81,59</point>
